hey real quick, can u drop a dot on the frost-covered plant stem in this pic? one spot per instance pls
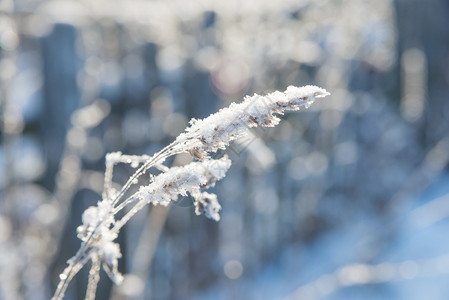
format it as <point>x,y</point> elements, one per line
<point>100,227</point>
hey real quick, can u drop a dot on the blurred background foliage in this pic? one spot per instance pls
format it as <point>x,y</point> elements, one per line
<point>347,200</point>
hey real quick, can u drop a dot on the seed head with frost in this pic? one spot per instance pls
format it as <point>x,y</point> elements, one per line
<point>182,180</point>
<point>216,131</point>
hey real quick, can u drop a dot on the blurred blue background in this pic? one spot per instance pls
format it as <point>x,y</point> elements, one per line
<point>347,200</point>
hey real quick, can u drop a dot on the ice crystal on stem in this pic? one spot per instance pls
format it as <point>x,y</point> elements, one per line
<point>207,204</point>
<point>100,227</point>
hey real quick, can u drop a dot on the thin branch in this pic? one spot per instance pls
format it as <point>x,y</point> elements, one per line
<point>67,275</point>
<point>94,278</point>
<point>156,159</point>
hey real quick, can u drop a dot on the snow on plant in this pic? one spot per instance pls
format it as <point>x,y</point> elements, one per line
<point>100,224</point>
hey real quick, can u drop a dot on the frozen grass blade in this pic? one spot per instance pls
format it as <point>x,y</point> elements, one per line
<point>101,227</point>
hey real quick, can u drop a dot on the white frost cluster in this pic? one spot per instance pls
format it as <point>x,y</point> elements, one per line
<point>113,158</point>
<point>207,204</point>
<point>97,221</point>
<point>216,131</point>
